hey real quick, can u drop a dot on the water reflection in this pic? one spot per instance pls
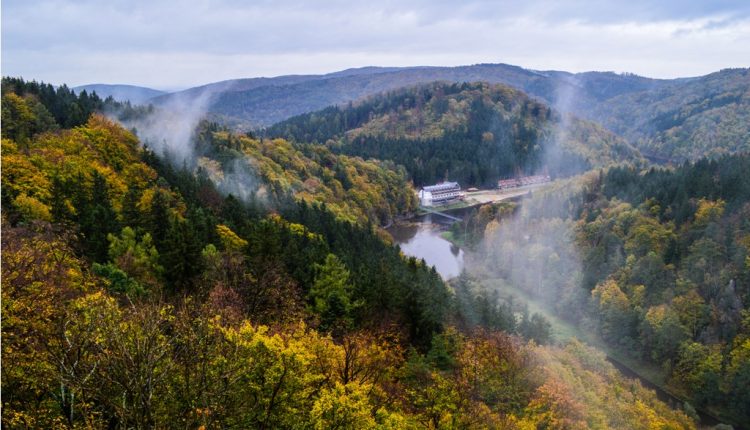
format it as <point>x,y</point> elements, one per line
<point>422,240</point>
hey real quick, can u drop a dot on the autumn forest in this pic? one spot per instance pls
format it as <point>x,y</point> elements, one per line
<point>246,278</point>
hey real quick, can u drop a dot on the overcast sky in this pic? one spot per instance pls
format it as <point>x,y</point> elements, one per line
<point>170,44</point>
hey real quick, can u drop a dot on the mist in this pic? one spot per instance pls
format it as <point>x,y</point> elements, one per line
<point>169,130</point>
<point>237,178</point>
<point>532,252</point>
<point>530,255</point>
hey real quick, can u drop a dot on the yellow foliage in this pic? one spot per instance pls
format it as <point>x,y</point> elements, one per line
<point>708,211</point>
<point>343,407</point>
<point>609,294</point>
<point>229,239</point>
<point>31,208</point>
<point>353,189</point>
<point>21,176</point>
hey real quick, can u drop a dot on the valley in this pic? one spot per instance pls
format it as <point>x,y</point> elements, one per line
<point>306,238</point>
<point>357,215</point>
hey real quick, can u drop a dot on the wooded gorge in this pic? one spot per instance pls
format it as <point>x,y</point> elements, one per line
<point>655,262</point>
<point>136,294</point>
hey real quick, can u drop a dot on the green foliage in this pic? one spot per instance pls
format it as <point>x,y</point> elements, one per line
<point>331,293</point>
<point>703,117</point>
<point>24,117</point>
<point>474,225</point>
<point>474,133</point>
<point>118,282</point>
<point>535,328</point>
<point>47,107</point>
<point>477,306</point>
<point>686,290</point>
<point>138,258</point>
<point>197,275</point>
<point>157,365</point>
<point>654,261</point>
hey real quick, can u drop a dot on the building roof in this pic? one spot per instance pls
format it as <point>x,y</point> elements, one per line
<point>444,186</point>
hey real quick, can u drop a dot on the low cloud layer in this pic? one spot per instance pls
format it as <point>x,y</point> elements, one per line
<point>168,44</point>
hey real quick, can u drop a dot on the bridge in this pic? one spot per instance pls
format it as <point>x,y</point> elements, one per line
<point>433,211</point>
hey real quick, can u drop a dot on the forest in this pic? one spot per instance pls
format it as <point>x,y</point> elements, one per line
<point>353,189</point>
<point>684,120</point>
<point>655,262</point>
<point>473,133</point>
<point>141,294</point>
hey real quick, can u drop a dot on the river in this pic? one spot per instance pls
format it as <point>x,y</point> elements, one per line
<point>420,237</point>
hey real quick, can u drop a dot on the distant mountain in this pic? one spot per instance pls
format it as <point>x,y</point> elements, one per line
<point>122,93</point>
<point>475,133</point>
<point>685,119</point>
<point>259,102</point>
<point>668,118</point>
<point>214,91</point>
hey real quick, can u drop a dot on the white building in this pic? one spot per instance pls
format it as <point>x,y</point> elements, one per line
<point>440,193</point>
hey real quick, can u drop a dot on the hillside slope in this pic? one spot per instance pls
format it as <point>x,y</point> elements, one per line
<point>353,189</point>
<point>135,295</point>
<point>264,101</point>
<point>688,119</point>
<point>475,133</point>
<point>671,118</point>
<point>655,263</point>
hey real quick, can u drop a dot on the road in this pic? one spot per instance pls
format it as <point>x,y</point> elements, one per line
<point>495,195</point>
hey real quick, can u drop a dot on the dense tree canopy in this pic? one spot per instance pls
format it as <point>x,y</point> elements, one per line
<point>137,294</point>
<point>474,133</point>
<point>658,260</point>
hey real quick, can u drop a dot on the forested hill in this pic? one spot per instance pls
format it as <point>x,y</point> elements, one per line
<point>136,295</point>
<point>656,263</point>
<point>475,133</point>
<point>687,119</point>
<point>684,118</point>
<point>272,170</point>
<point>263,101</point>
<point>32,107</point>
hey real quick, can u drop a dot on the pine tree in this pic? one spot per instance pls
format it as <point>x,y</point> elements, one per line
<point>181,256</point>
<point>158,218</point>
<point>131,216</point>
<point>98,219</point>
<point>331,294</point>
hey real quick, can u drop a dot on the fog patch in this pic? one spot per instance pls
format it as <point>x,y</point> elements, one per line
<point>531,255</point>
<point>169,130</point>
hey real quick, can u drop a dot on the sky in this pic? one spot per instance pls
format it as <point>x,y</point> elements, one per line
<point>171,45</point>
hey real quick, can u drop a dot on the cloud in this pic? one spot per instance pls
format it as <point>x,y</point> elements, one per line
<point>170,44</point>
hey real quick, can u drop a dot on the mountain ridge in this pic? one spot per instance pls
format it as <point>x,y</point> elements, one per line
<point>662,117</point>
<point>121,92</point>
